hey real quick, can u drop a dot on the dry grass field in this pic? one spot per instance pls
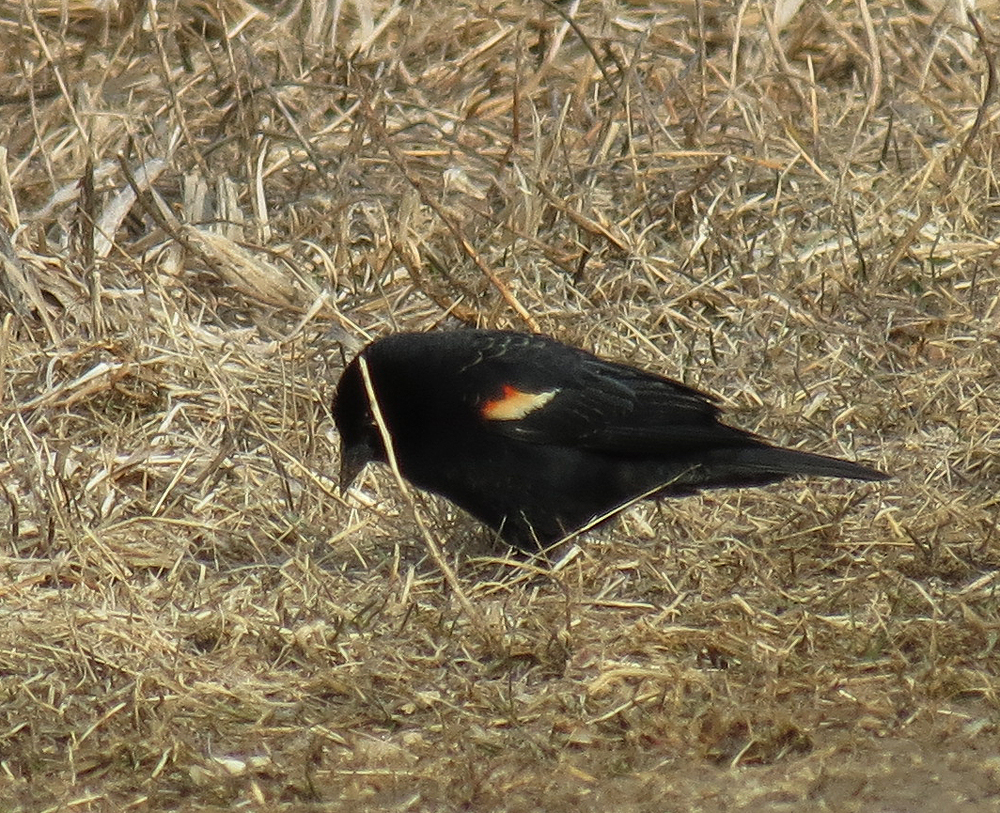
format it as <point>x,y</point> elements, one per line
<point>206,205</point>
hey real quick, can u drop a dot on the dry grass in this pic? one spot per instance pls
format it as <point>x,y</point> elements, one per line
<point>204,203</point>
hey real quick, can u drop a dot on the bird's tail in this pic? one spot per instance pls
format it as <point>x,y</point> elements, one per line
<point>756,465</point>
<point>789,462</point>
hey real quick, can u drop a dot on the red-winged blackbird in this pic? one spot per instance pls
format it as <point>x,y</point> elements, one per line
<point>535,439</point>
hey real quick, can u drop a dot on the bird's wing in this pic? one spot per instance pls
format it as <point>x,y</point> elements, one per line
<point>595,404</point>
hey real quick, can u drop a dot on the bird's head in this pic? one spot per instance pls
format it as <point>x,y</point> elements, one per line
<point>360,439</point>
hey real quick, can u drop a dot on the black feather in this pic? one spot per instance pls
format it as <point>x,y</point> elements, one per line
<point>536,438</point>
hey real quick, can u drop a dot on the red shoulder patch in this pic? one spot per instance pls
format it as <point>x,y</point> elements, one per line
<point>514,404</point>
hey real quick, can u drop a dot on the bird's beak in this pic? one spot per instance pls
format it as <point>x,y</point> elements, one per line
<point>352,461</point>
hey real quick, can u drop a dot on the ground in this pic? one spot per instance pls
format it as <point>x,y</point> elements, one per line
<point>206,207</point>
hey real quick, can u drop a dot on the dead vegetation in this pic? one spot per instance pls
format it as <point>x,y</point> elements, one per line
<point>205,205</point>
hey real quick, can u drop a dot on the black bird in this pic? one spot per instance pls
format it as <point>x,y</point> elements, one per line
<point>536,439</point>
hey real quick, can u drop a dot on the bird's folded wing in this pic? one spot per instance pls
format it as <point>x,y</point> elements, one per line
<point>604,406</point>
